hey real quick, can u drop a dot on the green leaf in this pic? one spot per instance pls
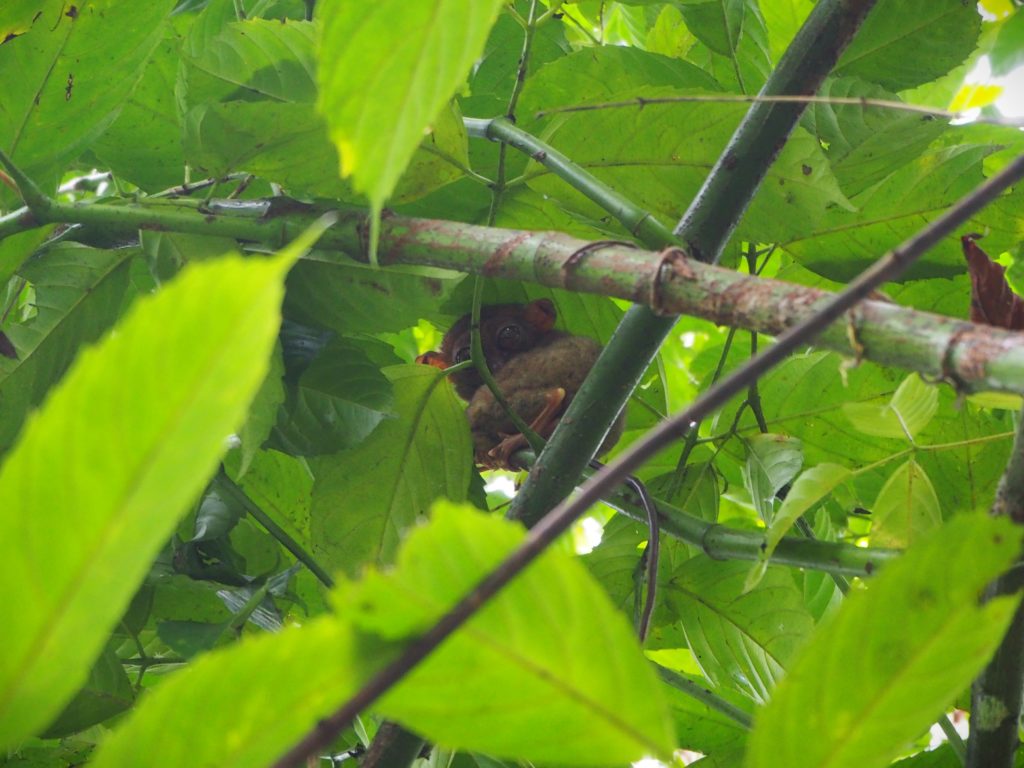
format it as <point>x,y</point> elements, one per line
<point>895,656</point>
<point>1008,50</point>
<point>327,289</point>
<point>906,507</point>
<point>107,692</point>
<point>78,295</point>
<point>742,641</point>
<point>703,729</point>
<point>736,39</point>
<point>599,75</point>
<point>866,144</point>
<point>772,461</point>
<point>641,153</point>
<point>811,487</point>
<point>338,401</point>
<point>143,145</point>
<point>843,243</point>
<point>905,43</point>
<point>255,60</point>
<point>412,57</point>
<point>262,413</point>
<point>101,475</point>
<point>364,498</point>
<point>76,67</point>
<point>912,406</point>
<point>563,697</point>
<point>257,700</point>
<point>281,486</point>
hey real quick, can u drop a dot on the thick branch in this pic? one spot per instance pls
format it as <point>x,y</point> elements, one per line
<point>974,357</point>
<point>996,694</point>
<point>721,542</point>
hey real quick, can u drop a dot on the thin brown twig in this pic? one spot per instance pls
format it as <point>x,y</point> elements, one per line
<point>740,98</point>
<point>556,522</point>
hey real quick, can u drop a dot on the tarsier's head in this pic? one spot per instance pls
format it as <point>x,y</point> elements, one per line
<point>506,330</point>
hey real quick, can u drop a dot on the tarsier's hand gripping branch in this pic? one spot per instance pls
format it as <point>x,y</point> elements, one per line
<point>538,369</point>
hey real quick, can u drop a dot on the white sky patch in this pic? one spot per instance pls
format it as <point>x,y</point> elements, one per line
<point>503,484</point>
<point>1011,102</point>
<point>590,533</point>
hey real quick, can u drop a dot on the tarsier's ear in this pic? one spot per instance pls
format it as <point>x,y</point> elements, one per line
<point>435,359</point>
<point>541,314</point>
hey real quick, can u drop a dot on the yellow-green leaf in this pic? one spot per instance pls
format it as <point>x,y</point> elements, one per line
<point>894,657</point>
<point>386,70</point>
<point>103,471</point>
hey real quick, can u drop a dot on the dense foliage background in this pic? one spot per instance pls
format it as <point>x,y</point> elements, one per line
<point>175,597</point>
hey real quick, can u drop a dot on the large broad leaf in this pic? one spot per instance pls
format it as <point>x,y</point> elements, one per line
<point>101,475</point>
<point>703,729</point>
<point>412,58</point>
<point>807,490</point>
<point>866,144</point>
<point>734,38</point>
<point>641,153</point>
<point>338,400</point>
<point>143,145</point>
<point>548,671</point>
<point>742,641</point>
<point>904,43</point>
<point>78,296</point>
<point>245,706</point>
<point>772,461</point>
<point>599,75</point>
<point>844,243</point>
<point>912,406</point>
<point>1008,50</point>
<point>906,507</point>
<point>364,498</point>
<point>247,91</point>
<point>894,657</point>
<point>327,289</point>
<point>75,65</point>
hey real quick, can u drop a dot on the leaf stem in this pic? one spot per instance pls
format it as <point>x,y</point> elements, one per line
<point>275,530</point>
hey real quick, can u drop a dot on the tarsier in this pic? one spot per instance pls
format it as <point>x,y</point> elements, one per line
<point>539,371</point>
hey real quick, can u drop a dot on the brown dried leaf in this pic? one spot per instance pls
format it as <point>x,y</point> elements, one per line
<point>992,300</point>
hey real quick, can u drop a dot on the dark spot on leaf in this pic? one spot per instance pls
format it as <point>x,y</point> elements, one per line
<point>70,85</point>
<point>72,12</point>
<point>806,169</point>
<point>764,546</point>
<point>869,568</point>
<point>7,348</point>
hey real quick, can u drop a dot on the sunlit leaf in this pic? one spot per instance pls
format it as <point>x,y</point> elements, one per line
<point>908,412</point>
<point>894,657</point>
<point>563,698</point>
<point>906,507</point>
<point>101,475</point>
<point>412,57</point>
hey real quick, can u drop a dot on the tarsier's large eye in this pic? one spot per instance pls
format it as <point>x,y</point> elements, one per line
<point>511,336</point>
<point>462,354</point>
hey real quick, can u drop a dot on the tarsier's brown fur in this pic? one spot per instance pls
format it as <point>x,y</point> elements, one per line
<point>538,369</point>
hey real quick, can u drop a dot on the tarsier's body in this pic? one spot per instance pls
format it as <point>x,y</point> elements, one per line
<point>538,369</point>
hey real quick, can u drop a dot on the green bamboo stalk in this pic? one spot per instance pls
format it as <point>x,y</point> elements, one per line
<point>704,230</point>
<point>996,694</point>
